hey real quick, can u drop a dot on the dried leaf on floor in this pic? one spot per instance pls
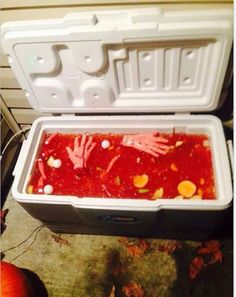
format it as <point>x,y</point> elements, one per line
<point>133,290</point>
<point>60,240</point>
<point>169,247</point>
<point>212,249</point>
<point>209,247</point>
<point>216,257</point>
<point>195,267</point>
<point>3,214</point>
<point>210,253</point>
<point>136,248</point>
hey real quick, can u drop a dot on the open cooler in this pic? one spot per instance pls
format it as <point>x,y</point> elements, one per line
<point>125,71</point>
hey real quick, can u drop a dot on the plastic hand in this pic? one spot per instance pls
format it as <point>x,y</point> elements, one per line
<point>147,142</point>
<point>79,156</point>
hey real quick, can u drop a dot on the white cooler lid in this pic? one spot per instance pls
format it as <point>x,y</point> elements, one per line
<point>139,60</point>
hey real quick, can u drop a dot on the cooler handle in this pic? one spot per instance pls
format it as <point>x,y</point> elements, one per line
<point>231,155</point>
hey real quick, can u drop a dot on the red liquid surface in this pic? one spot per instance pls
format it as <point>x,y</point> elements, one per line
<point>192,161</point>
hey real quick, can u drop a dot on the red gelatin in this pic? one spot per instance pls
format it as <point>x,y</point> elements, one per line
<point>110,172</point>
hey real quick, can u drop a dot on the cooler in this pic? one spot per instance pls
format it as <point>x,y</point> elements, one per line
<point>124,71</point>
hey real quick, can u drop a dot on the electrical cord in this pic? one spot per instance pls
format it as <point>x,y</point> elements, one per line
<point>25,240</point>
<point>33,241</point>
<point>10,140</point>
<point>35,231</point>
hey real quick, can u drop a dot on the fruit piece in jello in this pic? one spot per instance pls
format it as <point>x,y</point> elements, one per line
<point>140,181</point>
<point>186,188</point>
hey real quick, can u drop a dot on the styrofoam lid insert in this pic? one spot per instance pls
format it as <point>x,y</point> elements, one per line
<point>144,60</point>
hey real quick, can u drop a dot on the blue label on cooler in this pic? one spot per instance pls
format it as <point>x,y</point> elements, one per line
<point>118,219</point>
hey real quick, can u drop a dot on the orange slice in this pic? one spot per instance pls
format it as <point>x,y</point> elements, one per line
<point>180,197</point>
<point>196,197</point>
<point>158,193</point>
<point>117,180</point>
<point>200,192</point>
<point>178,143</point>
<point>50,161</point>
<point>206,143</point>
<point>202,181</point>
<point>173,167</point>
<point>186,188</point>
<point>139,181</point>
<point>30,189</point>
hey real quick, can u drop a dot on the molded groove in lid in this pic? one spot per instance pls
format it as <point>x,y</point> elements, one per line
<point>175,68</point>
<point>135,74</point>
<point>127,76</point>
<point>167,68</point>
<point>159,69</point>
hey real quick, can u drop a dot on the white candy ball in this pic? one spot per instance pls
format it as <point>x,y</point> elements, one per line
<point>48,189</point>
<point>105,144</point>
<point>56,163</point>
